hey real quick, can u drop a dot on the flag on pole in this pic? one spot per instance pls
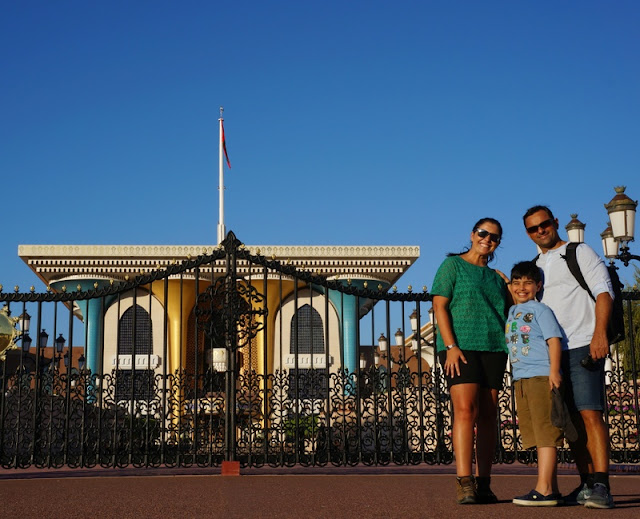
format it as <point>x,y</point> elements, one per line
<point>224,145</point>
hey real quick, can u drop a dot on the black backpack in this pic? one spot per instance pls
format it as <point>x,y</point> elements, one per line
<point>615,328</point>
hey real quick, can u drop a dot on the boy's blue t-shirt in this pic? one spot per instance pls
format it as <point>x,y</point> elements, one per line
<point>529,325</point>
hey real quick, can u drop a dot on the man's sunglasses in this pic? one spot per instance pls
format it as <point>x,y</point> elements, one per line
<point>495,238</point>
<point>543,225</point>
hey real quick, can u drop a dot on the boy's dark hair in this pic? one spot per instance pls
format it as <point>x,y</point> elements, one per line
<point>526,269</point>
<point>535,209</point>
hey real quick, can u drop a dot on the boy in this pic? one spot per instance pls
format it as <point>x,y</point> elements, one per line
<point>534,341</point>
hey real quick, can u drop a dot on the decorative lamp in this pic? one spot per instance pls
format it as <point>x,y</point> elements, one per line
<point>60,341</point>
<point>610,245</point>
<point>414,320</point>
<point>622,214</point>
<point>24,322</point>
<point>383,343</point>
<point>575,229</point>
<point>26,342</point>
<point>399,337</point>
<point>363,361</point>
<point>44,337</point>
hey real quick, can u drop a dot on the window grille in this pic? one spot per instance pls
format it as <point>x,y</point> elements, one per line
<point>310,331</point>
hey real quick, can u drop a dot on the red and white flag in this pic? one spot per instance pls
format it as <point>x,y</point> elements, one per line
<point>224,145</point>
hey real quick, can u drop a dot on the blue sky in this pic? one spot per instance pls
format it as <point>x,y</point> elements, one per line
<point>362,122</point>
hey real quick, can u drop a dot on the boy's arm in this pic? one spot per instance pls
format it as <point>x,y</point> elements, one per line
<point>555,354</point>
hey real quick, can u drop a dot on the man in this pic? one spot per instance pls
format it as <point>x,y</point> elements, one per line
<point>584,348</point>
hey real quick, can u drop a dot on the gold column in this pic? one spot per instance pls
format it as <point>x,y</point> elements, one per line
<point>178,309</point>
<point>273,304</point>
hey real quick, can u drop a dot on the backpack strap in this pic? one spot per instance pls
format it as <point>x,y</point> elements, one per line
<point>572,263</point>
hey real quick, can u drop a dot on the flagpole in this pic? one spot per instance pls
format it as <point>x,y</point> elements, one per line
<point>221,228</point>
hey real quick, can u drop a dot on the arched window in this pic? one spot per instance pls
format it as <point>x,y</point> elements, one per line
<point>308,327</point>
<point>310,331</point>
<point>140,330</point>
<point>142,333</point>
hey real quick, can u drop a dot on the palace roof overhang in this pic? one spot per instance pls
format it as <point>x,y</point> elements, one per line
<point>51,263</point>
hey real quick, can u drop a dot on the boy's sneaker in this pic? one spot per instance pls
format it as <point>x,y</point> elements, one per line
<point>600,497</point>
<point>578,496</point>
<point>535,498</point>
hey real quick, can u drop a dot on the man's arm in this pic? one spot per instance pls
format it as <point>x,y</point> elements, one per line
<point>599,347</point>
<point>555,356</point>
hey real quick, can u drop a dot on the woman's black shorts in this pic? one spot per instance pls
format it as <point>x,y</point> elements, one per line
<point>483,367</point>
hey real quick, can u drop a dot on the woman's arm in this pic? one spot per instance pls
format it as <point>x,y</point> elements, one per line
<point>443,317</point>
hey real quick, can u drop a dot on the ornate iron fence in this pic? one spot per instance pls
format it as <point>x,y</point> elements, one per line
<point>276,366</point>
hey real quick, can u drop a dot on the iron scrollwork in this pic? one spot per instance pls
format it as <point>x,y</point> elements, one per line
<point>243,306</point>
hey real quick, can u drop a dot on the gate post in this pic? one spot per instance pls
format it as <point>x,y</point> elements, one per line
<point>230,328</point>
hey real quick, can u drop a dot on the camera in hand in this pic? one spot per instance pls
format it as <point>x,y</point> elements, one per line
<point>589,363</point>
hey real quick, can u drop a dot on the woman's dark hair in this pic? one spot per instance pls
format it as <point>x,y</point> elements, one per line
<point>475,228</point>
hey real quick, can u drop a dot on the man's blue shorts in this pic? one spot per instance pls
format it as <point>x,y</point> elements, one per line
<point>584,387</point>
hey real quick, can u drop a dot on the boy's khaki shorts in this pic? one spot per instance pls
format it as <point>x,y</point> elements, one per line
<point>533,406</point>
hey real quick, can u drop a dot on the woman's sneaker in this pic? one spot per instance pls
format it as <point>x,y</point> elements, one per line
<point>466,491</point>
<point>484,494</point>
<point>578,496</point>
<point>535,498</point>
<point>600,497</point>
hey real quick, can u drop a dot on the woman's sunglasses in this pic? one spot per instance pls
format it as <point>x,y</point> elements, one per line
<point>495,238</point>
<point>541,225</point>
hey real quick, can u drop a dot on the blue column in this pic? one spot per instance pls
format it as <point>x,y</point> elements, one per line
<point>349,315</point>
<point>92,315</point>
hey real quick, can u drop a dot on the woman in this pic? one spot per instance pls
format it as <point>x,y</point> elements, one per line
<point>470,301</point>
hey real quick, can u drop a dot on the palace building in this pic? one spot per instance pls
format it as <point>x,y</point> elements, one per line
<point>164,313</point>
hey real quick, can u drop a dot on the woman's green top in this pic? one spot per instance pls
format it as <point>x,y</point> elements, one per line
<point>477,304</point>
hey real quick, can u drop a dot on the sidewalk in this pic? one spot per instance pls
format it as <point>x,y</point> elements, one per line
<point>360,492</point>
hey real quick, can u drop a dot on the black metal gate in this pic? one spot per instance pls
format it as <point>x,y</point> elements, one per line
<point>271,370</point>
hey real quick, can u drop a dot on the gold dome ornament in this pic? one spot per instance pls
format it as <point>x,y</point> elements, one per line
<point>8,332</point>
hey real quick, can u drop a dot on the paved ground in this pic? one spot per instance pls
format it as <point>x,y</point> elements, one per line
<point>402,492</point>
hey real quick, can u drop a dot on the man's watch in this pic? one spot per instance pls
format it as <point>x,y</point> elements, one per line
<point>449,346</point>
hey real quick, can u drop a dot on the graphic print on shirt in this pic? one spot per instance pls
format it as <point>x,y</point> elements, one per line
<point>518,336</point>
